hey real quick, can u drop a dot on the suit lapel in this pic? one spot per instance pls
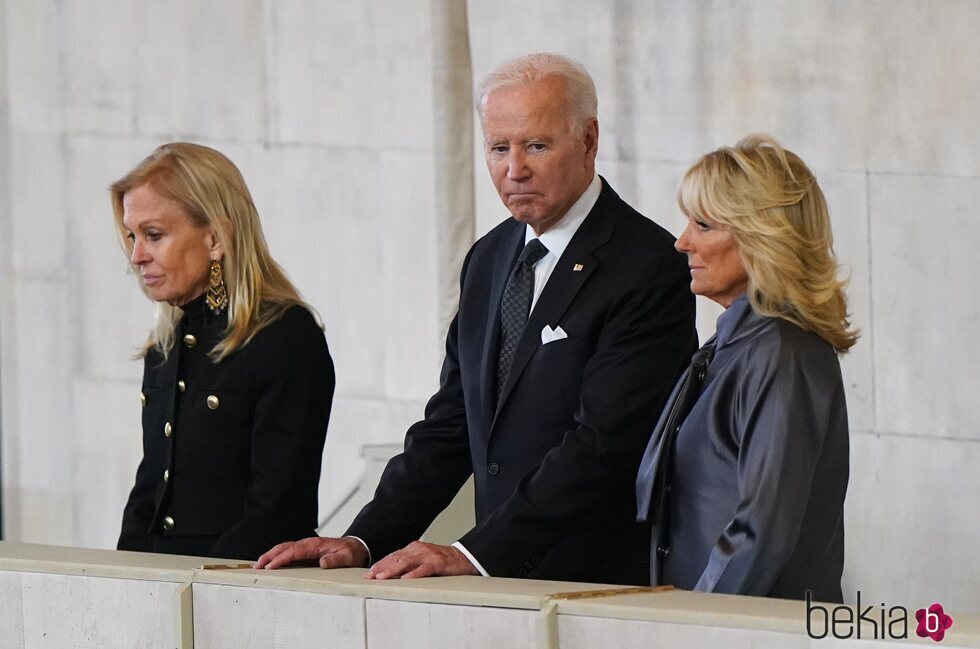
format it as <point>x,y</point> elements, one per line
<point>563,285</point>
<point>503,263</point>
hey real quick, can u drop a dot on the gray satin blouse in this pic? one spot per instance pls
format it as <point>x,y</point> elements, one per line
<point>761,466</point>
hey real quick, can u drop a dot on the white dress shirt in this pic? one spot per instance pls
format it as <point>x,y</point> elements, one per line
<point>557,237</point>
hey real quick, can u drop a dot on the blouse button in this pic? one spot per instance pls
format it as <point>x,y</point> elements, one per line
<point>168,430</point>
<point>168,523</point>
<point>213,402</point>
<point>181,385</point>
<point>190,340</point>
<point>166,474</point>
<point>142,399</point>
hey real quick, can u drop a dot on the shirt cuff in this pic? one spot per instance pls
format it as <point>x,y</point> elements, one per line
<point>469,557</point>
<point>361,541</point>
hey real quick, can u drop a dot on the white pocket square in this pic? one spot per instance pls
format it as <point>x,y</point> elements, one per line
<point>549,335</point>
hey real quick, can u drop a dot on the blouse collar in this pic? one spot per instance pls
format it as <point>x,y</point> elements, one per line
<point>737,321</point>
<point>197,313</point>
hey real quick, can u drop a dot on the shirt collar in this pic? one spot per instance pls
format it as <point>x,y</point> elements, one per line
<point>728,321</point>
<point>738,321</point>
<point>556,238</point>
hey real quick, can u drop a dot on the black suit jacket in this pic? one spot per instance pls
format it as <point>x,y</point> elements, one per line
<point>554,459</point>
<point>243,453</point>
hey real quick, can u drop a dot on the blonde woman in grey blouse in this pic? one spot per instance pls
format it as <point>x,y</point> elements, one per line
<point>745,475</point>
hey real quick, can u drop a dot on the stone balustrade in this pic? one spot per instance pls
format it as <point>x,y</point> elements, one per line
<point>69,597</point>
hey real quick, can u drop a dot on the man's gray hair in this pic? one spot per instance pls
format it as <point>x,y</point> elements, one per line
<point>580,96</point>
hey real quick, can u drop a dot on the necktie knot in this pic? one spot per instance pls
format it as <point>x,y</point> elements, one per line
<point>532,253</point>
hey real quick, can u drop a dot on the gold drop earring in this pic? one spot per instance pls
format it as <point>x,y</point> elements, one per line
<point>217,294</point>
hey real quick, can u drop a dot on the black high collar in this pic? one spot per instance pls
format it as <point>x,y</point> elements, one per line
<point>197,313</point>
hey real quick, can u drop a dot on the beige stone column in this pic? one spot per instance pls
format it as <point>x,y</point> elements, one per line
<point>452,141</point>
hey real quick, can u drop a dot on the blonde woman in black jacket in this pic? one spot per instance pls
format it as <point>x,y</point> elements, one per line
<point>237,379</point>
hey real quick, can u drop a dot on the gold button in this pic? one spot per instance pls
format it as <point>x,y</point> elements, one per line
<point>166,474</point>
<point>181,385</point>
<point>213,402</point>
<point>142,399</point>
<point>190,340</point>
<point>168,430</point>
<point>168,523</point>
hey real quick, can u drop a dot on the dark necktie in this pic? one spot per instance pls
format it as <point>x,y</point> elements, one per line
<point>515,307</point>
<point>656,469</point>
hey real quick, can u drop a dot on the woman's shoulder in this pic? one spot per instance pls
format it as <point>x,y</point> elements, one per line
<point>291,340</point>
<point>293,322</point>
<point>793,337</point>
<point>785,346</point>
<point>298,315</point>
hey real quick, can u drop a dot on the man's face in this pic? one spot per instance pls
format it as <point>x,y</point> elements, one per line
<point>538,167</point>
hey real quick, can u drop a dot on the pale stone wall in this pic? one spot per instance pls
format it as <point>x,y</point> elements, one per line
<point>351,122</point>
<point>334,128</point>
<point>880,98</point>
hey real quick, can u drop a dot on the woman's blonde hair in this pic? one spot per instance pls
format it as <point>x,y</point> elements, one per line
<point>212,192</point>
<point>777,214</point>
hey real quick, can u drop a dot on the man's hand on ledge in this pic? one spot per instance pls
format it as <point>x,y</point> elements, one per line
<point>328,552</point>
<point>419,559</point>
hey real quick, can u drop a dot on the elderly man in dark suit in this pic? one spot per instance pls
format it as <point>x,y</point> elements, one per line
<point>574,320</point>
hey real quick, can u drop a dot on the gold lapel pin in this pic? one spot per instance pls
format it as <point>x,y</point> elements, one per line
<point>577,267</point>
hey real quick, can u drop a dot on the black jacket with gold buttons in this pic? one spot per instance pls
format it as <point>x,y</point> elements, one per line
<point>231,450</point>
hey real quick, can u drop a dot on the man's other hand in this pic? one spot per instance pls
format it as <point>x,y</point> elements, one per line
<point>419,559</point>
<point>327,552</point>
